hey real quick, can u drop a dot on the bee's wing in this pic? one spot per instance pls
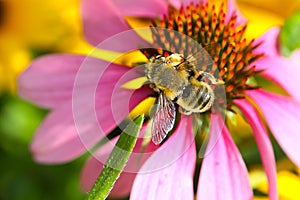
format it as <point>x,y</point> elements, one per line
<point>203,60</point>
<point>164,119</point>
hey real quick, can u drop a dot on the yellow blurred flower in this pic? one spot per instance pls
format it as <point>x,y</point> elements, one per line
<point>262,15</point>
<point>13,58</point>
<point>288,184</point>
<point>43,26</point>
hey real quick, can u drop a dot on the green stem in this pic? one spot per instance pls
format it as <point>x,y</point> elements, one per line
<point>116,160</point>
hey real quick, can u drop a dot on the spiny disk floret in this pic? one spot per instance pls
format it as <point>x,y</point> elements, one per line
<point>219,35</point>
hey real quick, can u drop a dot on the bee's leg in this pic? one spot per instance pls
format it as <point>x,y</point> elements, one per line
<point>203,75</point>
<point>153,86</point>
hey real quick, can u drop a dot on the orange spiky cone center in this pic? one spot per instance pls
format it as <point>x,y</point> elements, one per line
<point>231,52</point>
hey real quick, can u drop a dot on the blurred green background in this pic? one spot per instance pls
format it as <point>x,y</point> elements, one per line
<point>21,178</point>
<point>30,28</point>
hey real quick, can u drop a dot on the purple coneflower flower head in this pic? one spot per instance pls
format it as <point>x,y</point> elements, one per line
<point>89,101</point>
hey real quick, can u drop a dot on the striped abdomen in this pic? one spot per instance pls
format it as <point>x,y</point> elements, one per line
<point>196,98</point>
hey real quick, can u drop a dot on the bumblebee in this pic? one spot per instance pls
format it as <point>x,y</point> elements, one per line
<point>178,80</point>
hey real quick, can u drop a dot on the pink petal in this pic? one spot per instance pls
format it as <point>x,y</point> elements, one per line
<point>279,69</point>
<point>283,71</point>
<point>233,9</point>
<point>168,173</point>
<point>268,43</point>
<point>188,2</point>
<point>123,185</point>
<point>104,102</point>
<point>101,21</point>
<point>56,140</point>
<point>176,3</point>
<point>213,137</point>
<point>283,117</point>
<point>179,3</point>
<point>263,143</point>
<point>49,80</point>
<point>77,125</point>
<point>223,173</point>
<point>141,8</point>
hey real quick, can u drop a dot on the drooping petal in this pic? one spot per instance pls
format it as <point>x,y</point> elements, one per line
<point>104,102</point>
<point>49,80</point>
<point>183,3</point>
<point>223,173</point>
<point>233,9</point>
<point>282,115</point>
<point>263,143</point>
<point>56,140</point>
<point>168,173</point>
<point>283,71</point>
<point>81,122</point>
<point>276,68</point>
<point>268,43</point>
<point>124,183</point>
<point>176,3</point>
<point>141,8</point>
<point>102,20</point>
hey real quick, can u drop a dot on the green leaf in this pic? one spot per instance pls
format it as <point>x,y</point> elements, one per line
<point>116,160</point>
<point>290,34</point>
